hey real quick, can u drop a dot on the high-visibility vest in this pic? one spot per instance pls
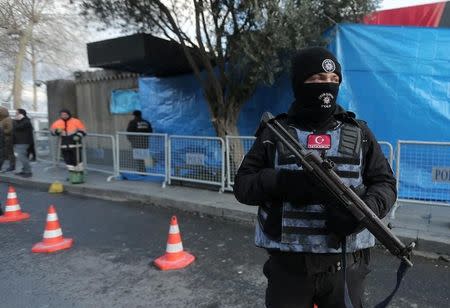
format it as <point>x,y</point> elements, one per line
<point>71,126</point>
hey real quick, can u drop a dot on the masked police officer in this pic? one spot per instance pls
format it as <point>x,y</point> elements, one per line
<point>298,221</point>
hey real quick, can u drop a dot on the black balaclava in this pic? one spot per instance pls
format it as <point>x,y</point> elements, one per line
<point>314,102</point>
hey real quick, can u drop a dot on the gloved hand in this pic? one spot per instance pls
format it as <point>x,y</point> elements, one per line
<point>340,221</point>
<point>298,187</point>
<point>58,131</point>
<point>77,137</point>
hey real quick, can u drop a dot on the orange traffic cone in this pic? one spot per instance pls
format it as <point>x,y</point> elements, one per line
<point>175,257</point>
<point>12,208</point>
<point>53,237</point>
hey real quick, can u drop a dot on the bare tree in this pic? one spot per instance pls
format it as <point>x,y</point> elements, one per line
<point>18,18</point>
<point>36,32</point>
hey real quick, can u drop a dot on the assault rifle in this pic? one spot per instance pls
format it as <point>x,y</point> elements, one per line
<point>322,170</point>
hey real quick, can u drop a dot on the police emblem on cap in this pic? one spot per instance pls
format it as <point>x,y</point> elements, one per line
<point>328,65</point>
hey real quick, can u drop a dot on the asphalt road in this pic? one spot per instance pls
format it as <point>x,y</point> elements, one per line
<point>110,263</point>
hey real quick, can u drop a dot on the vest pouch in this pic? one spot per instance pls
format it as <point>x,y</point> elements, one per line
<point>270,221</point>
<point>350,141</point>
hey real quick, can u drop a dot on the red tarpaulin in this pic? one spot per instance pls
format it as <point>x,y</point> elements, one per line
<point>427,15</point>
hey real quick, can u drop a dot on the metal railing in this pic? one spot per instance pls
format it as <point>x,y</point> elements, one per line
<point>423,172</point>
<point>142,154</point>
<point>197,159</point>
<point>388,151</point>
<point>422,168</point>
<point>99,153</point>
<point>236,148</point>
<point>47,147</point>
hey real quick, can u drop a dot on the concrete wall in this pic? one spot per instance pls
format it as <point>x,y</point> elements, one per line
<point>93,93</point>
<point>60,94</point>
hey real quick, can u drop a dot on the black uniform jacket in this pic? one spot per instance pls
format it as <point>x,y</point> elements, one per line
<point>139,126</point>
<point>255,181</point>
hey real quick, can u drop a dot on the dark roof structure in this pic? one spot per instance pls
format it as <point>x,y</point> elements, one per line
<point>140,53</point>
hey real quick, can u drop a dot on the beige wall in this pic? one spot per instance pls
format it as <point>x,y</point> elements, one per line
<point>60,94</point>
<point>93,93</point>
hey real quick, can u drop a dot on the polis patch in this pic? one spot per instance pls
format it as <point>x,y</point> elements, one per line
<point>321,142</point>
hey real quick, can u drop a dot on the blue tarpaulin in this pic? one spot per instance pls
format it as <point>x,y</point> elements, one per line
<point>176,105</point>
<point>395,78</point>
<point>398,80</point>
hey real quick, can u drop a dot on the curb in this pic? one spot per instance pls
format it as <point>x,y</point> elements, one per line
<point>428,248</point>
<point>118,195</point>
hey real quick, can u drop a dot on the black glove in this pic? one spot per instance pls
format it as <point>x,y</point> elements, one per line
<point>341,222</point>
<point>298,187</point>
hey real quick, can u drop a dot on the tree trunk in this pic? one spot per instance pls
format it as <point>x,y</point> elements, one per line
<point>225,124</point>
<point>33,73</point>
<point>17,86</point>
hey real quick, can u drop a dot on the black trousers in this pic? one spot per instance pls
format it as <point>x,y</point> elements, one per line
<point>297,289</point>
<point>70,156</point>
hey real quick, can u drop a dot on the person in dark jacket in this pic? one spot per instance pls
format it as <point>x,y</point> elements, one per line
<point>2,154</point>
<point>6,123</point>
<point>2,147</point>
<point>299,223</point>
<point>22,138</point>
<point>139,125</point>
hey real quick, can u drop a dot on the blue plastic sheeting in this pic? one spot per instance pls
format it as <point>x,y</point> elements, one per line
<point>151,158</point>
<point>176,105</point>
<point>395,78</point>
<point>124,101</point>
<point>196,159</point>
<point>398,80</point>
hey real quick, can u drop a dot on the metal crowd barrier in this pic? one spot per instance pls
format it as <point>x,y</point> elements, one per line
<point>388,151</point>
<point>423,172</point>
<point>46,147</point>
<point>197,159</point>
<point>142,154</point>
<point>183,158</point>
<point>99,153</point>
<point>236,148</point>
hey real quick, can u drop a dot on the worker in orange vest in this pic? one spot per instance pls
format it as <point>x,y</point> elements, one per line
<point>71,130</point>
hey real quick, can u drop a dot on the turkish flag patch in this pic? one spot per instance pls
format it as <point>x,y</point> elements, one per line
<point>322,142</point>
